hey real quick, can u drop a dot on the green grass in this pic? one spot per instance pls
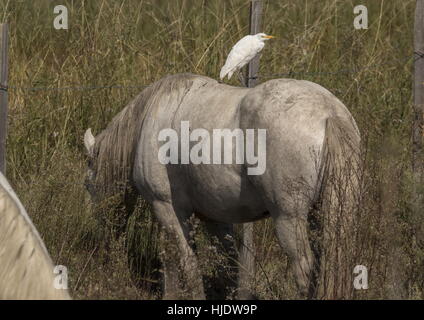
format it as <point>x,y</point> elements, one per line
<point>136,42</point>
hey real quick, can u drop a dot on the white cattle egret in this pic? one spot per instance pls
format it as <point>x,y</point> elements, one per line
<point>243,52</point>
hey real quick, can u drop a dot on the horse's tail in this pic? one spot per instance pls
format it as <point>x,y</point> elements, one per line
<point>339,200</point>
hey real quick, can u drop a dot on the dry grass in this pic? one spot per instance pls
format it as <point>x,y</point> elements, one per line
<point>135,42</point>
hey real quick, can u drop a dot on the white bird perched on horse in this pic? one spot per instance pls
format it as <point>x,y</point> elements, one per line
<point>243,52</point>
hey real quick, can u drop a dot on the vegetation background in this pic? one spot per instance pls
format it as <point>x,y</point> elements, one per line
<point>64,81</point>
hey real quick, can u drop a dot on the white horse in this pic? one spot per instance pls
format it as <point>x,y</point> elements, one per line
<point>311,139</point>
<point>26,270</point>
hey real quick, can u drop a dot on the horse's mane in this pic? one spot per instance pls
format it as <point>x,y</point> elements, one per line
<point>115,146</point>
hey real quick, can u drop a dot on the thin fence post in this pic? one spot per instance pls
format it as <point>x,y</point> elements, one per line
<point>3,94</point>
<point>247,257</point>
<point>418,119</point>
<point>255,27</point>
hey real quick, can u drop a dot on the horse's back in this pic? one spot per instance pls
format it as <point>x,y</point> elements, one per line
<point>293,101</point>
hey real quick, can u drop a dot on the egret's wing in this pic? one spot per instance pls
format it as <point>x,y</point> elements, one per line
<point>235,57</point>
<point>26,270</point>
<point>233,60</point>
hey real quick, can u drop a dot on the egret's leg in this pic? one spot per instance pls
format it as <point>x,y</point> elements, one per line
<point>241,78</point>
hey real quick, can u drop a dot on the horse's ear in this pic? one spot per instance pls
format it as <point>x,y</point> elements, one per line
<point>89,141</point>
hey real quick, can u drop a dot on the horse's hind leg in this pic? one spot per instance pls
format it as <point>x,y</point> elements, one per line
<point>293,237</point>
<point>179,261</point>
<point>289,203</point>
<point>223,284</point>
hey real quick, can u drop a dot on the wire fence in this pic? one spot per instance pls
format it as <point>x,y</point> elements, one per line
<point>291,73</point>
<point>79,87</point>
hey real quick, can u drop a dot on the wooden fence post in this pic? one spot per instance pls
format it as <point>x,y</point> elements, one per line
<point>247,257</point>
<point>255,27</point>
<point>3,94</point>
<point>418,119</point>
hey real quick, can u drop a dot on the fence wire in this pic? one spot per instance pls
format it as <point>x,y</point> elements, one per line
<point>400,63</point>
<point>78,88</point>
<point>416,56</point>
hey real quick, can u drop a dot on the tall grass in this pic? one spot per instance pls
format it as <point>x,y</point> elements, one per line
<point>133,43</point>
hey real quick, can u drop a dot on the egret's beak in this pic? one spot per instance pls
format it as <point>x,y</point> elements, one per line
<point>268,37</point>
